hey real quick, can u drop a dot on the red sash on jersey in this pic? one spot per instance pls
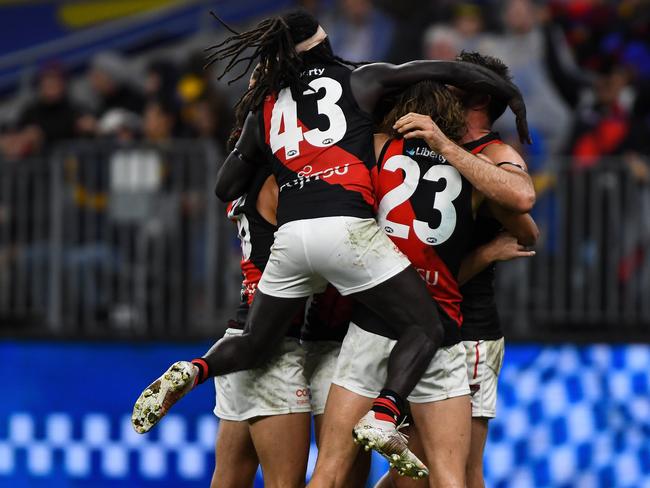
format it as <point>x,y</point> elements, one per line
<point>331,164</point>
<point>441,283</point>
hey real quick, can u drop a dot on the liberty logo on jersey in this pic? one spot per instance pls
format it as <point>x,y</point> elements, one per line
<point>426,153</point>
<point>306,175</point>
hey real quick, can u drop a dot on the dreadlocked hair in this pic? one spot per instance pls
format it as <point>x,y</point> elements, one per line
<point>273,42</point>
<point>241,110</point>
<point>428,98</point>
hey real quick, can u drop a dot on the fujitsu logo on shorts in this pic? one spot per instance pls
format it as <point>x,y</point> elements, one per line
<point>303,392</point>
<point>305,176</point>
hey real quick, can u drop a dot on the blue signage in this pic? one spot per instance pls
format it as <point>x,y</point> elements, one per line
<point>567,417</point>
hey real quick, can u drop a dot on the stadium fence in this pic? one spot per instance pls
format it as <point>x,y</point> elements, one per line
<point>99,239</point>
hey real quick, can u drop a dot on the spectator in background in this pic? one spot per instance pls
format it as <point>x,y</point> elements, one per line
<point>205,110</point>
<point>51,117</point>
<point>522,48</point>
<point>205,121</point>
<point>120,125</point>
<point>159,121</point>
<point>110,85</point>
<point>161,81</point>
<point>637,145</point>
<point>602,122</point>
<point>468,22</point>
<point>360,32</point>
<point>441,42</point>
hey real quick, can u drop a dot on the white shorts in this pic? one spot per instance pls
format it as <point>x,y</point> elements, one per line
<point>278,388</point>
<point>319,370</point>
<point>352,254</point>
<point>484,360</point>
<point>363,366</point>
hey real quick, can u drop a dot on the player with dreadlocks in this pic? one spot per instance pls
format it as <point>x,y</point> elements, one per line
<point>311,121</point>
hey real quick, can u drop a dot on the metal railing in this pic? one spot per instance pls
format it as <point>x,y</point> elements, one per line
<point>591,275</point>
<point>101,239</point>
<point>130,241</point>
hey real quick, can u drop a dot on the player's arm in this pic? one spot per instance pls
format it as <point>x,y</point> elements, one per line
<point>369,83</point>
<point>522,226</point>
<point>503,247</point>
<point>235,174</point>
<point>505,182</point>
<point>267,200</point>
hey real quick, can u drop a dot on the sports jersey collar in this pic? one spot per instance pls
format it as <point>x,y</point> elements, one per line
<point>491,136</point>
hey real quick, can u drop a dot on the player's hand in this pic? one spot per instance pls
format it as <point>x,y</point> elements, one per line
<point>420,126</point>
<point>505,247</point>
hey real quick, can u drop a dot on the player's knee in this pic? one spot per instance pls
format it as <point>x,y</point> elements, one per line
<point>433,335</point>
<point>424,339</point>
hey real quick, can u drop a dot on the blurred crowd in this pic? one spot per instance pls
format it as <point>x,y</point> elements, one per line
<point>582,65</point>
<point>111,102</point>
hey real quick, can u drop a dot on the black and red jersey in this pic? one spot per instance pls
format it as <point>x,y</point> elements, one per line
<point>480,316</point>
<point>256,236</point>
<point>321,146</point>
<point>425,207</point>
<point>328,316</point>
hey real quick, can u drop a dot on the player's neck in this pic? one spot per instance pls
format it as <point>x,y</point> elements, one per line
<point>477,126</point>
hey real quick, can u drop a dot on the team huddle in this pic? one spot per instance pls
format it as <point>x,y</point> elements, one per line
<point>372,203</point>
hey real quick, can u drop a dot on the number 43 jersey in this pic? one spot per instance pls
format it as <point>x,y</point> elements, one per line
<point>321,145</point>
<point>425,206</point>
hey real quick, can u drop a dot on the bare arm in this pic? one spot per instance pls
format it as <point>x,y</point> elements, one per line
<point>371,82</point>
<point>238,169</point>
<point>503,247</point>
<point>522,226</point>
<point>507,185</point>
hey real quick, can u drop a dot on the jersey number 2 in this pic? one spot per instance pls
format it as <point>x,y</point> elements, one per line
<point>285,113</point>
<point>443,201</point>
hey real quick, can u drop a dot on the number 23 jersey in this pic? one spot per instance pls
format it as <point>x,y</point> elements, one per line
<point>425,207</point>
<point>321,145</point>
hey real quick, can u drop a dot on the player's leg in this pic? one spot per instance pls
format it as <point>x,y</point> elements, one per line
<point>268,321</point>
<point>321,363</point>
<point>360,374</point>
<point>337,454</point>
<point>280,416</point>
<point>441,410</point>
<point>440,407</point>
<point>444,429</point>
<point>405,306</point>
<point>475,459</point>
<point>289,282</point>
<point>408,310</point>
<point>282,445</point>
<point>484,359</point>
<point>359,260</point>
<point>235,457</point>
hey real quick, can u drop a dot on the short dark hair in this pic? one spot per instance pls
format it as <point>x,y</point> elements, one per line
<point>497,107</point>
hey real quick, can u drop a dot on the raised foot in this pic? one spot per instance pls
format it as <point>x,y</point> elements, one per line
<point>388,441</point>
<point>156,400</point>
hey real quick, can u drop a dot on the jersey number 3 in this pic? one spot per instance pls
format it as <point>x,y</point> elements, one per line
<point>285,115</point>
<point>443,201</point>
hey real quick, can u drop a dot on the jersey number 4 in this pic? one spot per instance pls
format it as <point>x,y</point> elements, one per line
<point>443,201</point>
<point>285,115</point>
